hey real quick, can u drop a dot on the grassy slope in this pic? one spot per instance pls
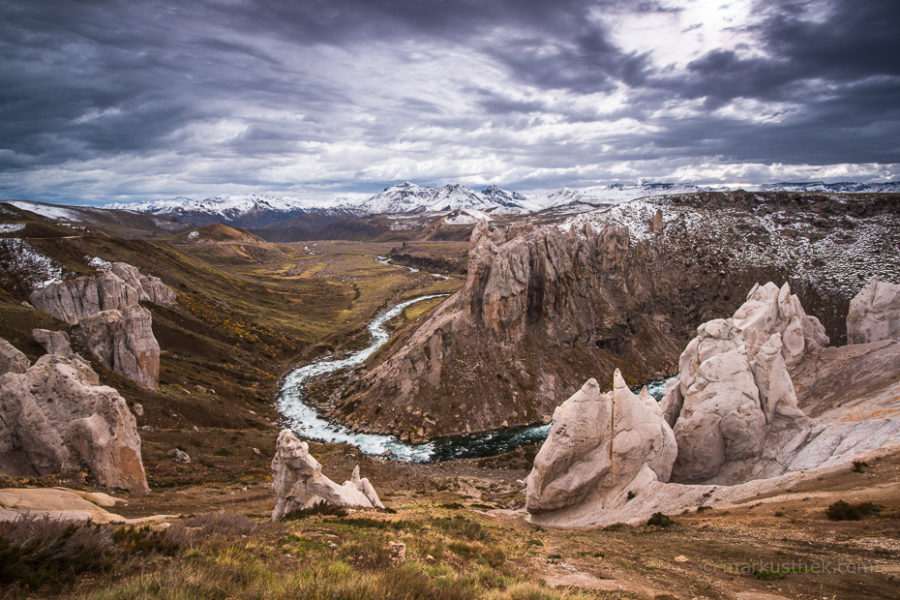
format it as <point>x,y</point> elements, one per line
<point>245,313</point>
<point>243,316</point>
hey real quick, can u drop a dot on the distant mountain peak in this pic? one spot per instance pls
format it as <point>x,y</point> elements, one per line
<point>410,197</point>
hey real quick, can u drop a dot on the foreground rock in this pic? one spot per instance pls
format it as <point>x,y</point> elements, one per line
<point>56,417</point>
<point>874,313</point>
<point>299,483</point>
<point>65,505</point>
<point>602,451</point>
<point>733,405</point>
<point>108,319</point>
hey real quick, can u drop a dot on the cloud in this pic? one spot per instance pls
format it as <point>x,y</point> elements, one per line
<point>115,100</point>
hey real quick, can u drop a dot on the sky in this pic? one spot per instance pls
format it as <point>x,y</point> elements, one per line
<point>118,101</point>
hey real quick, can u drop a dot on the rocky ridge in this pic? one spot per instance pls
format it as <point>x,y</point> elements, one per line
<point>108,319</point>
<point>544,307</point>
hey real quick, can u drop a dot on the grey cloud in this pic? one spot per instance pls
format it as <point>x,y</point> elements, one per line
<point>126,82</point>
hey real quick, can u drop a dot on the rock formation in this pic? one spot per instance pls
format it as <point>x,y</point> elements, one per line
<point>733,405</point>
<point>56,416</point>
<point>150,288</point>
<point>54,342</point>
<point>65,505</point>
<point>299,483</point>
<point>122,340</point>
<point>109,321</point>
<point>874,313</point>
<point>540,309</point>
<point>603,449</point>
<point>738,421</point>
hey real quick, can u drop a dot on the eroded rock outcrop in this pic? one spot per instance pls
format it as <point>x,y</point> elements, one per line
<point>602,451</point>
<point>108,319</point>
<point>299,483</point>
<point>56,416</point>
<point>733,406</point>
<point>742,428</point>
<point>874,313</point>
<point>122,340</point>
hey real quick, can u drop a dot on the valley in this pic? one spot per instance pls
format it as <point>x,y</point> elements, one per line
<point>481,326</point>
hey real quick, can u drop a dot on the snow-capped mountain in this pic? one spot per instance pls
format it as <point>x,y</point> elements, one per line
<point>409,197</point>
<point>225,206</point>
<point>252,211</point>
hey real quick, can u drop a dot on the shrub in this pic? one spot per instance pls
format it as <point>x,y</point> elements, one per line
<point>844,511</point>
<point>660,520</point>
<point>319,508</point>
<point>47,552</point>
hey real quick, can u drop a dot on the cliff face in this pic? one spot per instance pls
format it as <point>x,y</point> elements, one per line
<point>542,309</point>
<point>109,320</point>
<point>546,308</point>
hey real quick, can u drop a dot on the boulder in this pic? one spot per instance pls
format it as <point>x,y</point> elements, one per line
<point>56,416</point>
<point>733,406</point>
<point>299,483</point>
<point>54,342</point>
<point>123,341</point>
<point>874,313</point>
<point>12,360</point>
<point>602,451</point>
<point>180,456</point>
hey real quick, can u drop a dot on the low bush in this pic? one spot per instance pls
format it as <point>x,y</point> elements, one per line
<point>660,520</point>
<point>844,511</point>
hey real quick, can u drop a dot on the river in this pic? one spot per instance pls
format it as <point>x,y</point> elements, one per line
<point>306,422</point>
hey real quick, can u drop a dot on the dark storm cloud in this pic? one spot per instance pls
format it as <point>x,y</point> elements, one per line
<point>857,41</point>
<point>318,93</point>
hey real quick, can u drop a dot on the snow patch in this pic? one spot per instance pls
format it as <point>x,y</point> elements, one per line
<point>47,211</point>
<point>11,227</point>
<point>20,258</point>
<point>98,263</point>
<point>468,216</point>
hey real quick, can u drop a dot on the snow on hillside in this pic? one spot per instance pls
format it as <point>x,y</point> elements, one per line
<point>409,197</point>
<point>888,187</point>
<point>469,216</point>
<point>613,194</point>
<point>834,250</point>
<point>20,258</point>
<point>48,211</point>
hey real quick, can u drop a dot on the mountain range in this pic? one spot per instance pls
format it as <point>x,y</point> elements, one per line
<point>259,210</point>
